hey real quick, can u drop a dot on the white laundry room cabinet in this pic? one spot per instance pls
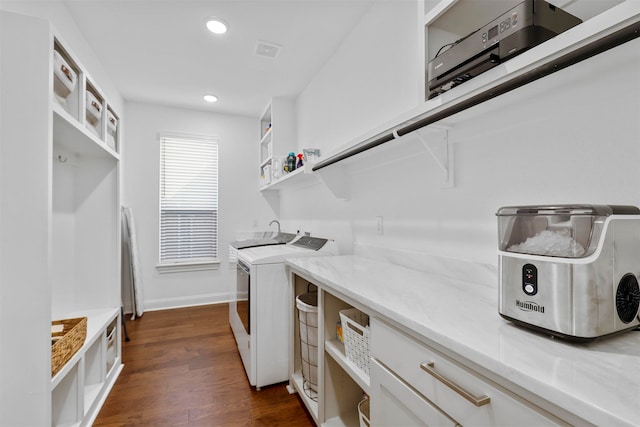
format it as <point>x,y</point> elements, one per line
<point>59,228</point>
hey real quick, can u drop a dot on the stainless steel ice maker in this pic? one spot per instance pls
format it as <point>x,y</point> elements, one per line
<point>570,270</point>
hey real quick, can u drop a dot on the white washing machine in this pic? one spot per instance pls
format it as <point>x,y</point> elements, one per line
<point>255,241</point>
<point>260,315</point>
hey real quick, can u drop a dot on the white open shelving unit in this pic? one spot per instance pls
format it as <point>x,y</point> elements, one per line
<point>298,177</point>
<point>60,189</point>
<point>341,384</point>
<point>86,230</point>
<point>277,139</point>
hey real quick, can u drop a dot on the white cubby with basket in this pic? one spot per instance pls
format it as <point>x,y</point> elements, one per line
<point>356,332</point>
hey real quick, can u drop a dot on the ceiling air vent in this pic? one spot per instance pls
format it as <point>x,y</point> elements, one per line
<point>267,50</point>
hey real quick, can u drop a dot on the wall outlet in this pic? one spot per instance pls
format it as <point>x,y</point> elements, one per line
<point>379,225</point>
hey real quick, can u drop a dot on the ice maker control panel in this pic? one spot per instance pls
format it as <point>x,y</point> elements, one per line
<point>529,279</point>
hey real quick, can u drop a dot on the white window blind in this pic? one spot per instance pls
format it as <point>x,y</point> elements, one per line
<point>188,199</point>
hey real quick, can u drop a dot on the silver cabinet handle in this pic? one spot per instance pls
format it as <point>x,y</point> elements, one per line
<point>431,370</point>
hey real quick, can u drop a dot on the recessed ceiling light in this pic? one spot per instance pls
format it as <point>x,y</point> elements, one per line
<point>216,25</point>
<point>210,98</point>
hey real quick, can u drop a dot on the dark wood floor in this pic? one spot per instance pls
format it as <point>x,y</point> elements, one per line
<point>182,368</point>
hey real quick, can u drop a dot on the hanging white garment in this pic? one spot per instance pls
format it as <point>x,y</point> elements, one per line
<point>131,262</point>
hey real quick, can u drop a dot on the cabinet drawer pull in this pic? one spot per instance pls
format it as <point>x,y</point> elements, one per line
<point>478,401</point>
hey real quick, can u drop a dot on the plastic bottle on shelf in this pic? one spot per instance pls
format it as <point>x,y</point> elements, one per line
<point>278,167</point>
<point>300,162</point>
<point>290,166</point>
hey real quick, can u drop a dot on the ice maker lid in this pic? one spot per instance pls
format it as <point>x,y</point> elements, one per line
<point>599,210</point>
<point>569,231</point>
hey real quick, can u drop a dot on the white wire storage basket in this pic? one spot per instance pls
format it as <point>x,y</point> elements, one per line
<point>356,331</point>
<point>363,412</point>
<point>307,305</point>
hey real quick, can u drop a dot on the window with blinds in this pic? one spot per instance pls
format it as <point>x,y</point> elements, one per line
<point>188,199</point>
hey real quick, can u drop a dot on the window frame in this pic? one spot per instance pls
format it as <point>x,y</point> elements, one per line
<point>187,264</point>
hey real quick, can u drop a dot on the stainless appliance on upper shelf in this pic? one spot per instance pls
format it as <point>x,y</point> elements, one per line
<point>570,270</point>
<point>524,26</point>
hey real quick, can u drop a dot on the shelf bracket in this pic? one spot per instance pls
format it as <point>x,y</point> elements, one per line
<point>437,145</point>
<point>335,181</point>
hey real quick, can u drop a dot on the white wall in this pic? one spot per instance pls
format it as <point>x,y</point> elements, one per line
<point>241,205</point>
<point>571,137</point>
<point>371,78</point>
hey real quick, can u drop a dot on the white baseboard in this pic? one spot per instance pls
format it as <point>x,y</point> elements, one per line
<point>190,301</point>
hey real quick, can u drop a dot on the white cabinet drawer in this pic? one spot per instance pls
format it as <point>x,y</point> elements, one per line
<point>396,404</point>
<point>458,391</point>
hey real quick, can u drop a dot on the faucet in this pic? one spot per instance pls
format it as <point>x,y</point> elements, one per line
<point>277,222</point>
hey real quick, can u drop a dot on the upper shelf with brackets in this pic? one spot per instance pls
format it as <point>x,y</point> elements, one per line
<point>608,29</point>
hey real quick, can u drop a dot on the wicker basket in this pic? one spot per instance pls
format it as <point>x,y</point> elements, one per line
<point>66,343</point>
<point>356,331</point>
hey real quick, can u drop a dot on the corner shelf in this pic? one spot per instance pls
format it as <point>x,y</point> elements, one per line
<point>333,179</point>
<point>277,137</point>
<point>297,178</point>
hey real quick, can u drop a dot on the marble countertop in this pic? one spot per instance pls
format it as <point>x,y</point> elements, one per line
<point>598,382</point>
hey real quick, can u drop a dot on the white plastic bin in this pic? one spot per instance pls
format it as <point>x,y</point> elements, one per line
<point>308,317</point>
<point>93,113</point>
<point>64,79</point>
<point>112,129</point>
